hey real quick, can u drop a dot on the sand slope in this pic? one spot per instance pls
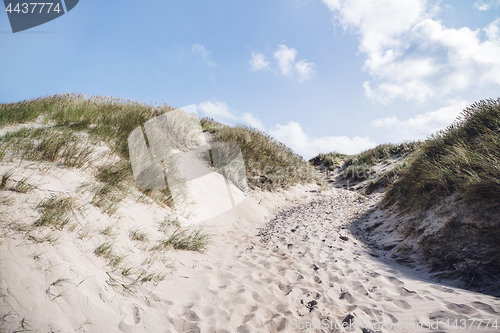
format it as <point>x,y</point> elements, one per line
<point>303,266</point>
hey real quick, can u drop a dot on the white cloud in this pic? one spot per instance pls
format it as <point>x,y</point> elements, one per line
<point>220,111</point>
<point>290,134</point>
<point>258,62</point>
<point>481,6</point>
<point>200,49</point>
<point>410,54</point>
<point>294,137</point>
<point>484,5</point>
<point>492,30</point>
<point>253,121</point>
<point>304,69</point>
<point>285,57</point>
<point>423,125</point>
<point>216,109</point>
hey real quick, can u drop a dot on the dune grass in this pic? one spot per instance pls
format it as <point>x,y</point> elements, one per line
<point>328,161</point>
<point>5,179</point>
<point>269,163</point>
<point>359,166</point>
<point>48,145</point>
<point>184,239</point>
<point>382,152</point>
<point>74,119</point>
<point>56,212</point>
<point>464,158</point>
<point>459,165</point>
<point>138,235</point>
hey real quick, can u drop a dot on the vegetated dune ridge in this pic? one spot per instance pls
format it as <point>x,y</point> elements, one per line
<point>82,250</point>
<point>442,203</point>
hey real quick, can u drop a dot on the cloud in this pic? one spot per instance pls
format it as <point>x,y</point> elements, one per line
<point>484,5</point>
<point>481,6</point>
<point>305,70</point>
<point>258,62</point>
<point>423,125</point>
<point>285,57</point>
<point>294,137</point>
<point>411,55</point>
<point>200,49</point>
<point>253,121</point>
<point>216,109</point>
<point>220,111</point>
<point>290,134</point>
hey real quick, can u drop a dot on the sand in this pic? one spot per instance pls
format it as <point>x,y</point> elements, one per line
<point>278,262</point>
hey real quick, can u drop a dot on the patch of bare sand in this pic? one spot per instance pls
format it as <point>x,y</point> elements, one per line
<point>303,268</point>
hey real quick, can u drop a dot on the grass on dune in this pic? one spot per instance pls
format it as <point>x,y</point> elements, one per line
<point>48,145</point>
<point>461,162</point>
<point>464,158</point>
<point>56,212</point>
<point>269,163</point>
<point>360,166</point>
<point>329,161</point>
<point>381,152</point>
<point>111,119</point>
<point>184,239</point>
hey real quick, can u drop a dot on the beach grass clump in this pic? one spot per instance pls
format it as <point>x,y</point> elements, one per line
<point>107,197</point>
<point>23,186</point>
<point>328,161</point>
<point>5,178</point>
<point>106,251</point>
<point>48,145</point>
<point>269,164</point>
<point>56,212</point>
<point>137,235</point>
<point>114,173</point>
<point>184,239</point>
<point>382,152</point>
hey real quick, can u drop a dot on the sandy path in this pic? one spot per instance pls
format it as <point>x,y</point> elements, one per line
<point>306,267</point>
<point>303,268</point>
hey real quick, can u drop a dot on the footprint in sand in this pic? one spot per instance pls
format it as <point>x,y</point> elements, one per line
<point>484,307</point>
<point>131,318</point>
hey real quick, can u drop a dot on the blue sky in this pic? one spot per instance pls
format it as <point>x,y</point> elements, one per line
<point>319,75</point>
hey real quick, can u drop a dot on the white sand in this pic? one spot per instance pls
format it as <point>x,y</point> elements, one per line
<point>305,273</point>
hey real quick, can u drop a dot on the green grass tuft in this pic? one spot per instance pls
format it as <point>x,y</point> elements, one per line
<point>184,239</point>
<point>56,212</point>
<point>49,145</point>
<point>138,235</point>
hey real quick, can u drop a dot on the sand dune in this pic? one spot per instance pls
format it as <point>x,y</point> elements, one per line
<point>281,262</point>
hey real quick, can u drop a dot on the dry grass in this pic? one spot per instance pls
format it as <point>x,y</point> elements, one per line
<point>48,145</point>
<point>461,164</point>
<point>464,158</point>
<point>269,163</point>
<point>328,161</point>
